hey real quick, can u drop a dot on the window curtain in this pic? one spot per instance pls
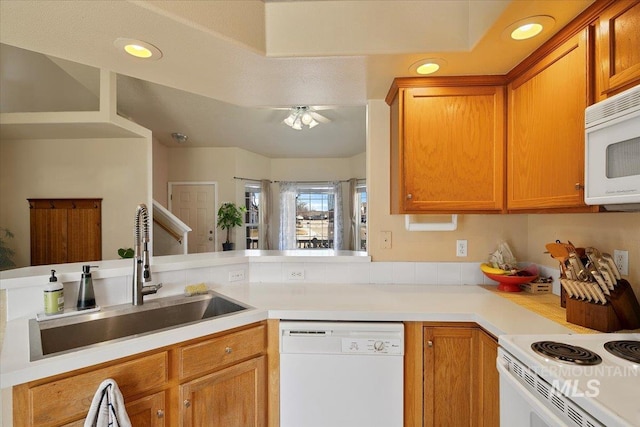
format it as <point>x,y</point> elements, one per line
<point>287,235</point>
<point>338,222</point>
<point>353,214</point>
<point>264,215</point>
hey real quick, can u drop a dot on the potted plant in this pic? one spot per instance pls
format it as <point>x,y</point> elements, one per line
<point>6,253</point>
<point>229,216</point>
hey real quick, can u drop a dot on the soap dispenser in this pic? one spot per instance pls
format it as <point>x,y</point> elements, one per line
<point>86,298</point>
<point>54,296</point>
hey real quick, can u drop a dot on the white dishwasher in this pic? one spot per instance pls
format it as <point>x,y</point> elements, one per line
<point>341,374</point>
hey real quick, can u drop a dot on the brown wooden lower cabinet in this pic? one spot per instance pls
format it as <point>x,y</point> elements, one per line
<point>230,391</point>
<point>489,409</point>
<point>235,396</point>
<point>450,375</point>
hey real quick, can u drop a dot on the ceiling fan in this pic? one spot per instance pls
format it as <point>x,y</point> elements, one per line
<point>304,115</point>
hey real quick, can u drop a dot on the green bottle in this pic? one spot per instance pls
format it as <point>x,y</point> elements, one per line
<point>54,296</point>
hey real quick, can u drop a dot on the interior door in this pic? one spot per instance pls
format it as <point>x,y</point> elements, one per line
<point>195,205</point>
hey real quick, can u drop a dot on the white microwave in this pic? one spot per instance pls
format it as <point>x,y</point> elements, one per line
<point>612,152</point>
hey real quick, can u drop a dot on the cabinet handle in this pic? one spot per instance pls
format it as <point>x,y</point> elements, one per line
<point>160,413</point>
<point>579,186</point>
<point>228,350</point>
<point>409,196</point>
<point>429,343</point>
<point>187,403</point>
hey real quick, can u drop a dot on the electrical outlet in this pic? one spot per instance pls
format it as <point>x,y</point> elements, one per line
<point>621,258</point>
<point>461,248</point>
<point>236,276</point>
<point>385,240</point>
<point>295,275</point>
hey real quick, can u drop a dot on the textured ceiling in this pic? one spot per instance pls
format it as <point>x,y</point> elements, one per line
<point>247,55</point>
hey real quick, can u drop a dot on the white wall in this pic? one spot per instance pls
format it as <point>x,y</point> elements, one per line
<point>222,164</point>
<point>112,169</point>
<point>160,154</point>
<point>31,82</point>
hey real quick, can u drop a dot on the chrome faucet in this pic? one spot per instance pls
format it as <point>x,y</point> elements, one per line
<point>141,265</point>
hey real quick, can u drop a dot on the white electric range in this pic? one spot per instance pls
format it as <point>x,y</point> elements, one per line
<point>569,380</point>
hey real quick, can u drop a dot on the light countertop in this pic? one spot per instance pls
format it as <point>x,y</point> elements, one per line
<point>303,301</point>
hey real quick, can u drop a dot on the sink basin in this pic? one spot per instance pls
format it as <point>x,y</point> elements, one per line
<point>57,336</point>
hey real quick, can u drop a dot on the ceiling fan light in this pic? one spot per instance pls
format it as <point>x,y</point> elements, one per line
<point>306,118</point>
<point>290,119</point>
<point>301,116</point>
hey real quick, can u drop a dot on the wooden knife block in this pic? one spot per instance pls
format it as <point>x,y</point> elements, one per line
<point>621,312</point>
<point>591,315</point>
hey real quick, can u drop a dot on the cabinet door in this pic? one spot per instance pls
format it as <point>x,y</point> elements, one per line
<point>489,401</point>
<point>65,230</point>
<point>233,397</point>
<point>48,236</point>
<point>450,150</point>
<point>451,382</point>
<point>618,42</point>
<point>148,411</point>
<point>545,149</point>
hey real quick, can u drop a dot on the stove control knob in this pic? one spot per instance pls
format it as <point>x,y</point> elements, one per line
<point>378,345</point>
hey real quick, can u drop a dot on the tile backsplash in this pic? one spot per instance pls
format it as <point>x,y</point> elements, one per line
<point>426,273</point>
<point>27,300</point>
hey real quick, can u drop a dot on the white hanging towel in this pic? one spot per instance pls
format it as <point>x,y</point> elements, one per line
<point>107,407</point>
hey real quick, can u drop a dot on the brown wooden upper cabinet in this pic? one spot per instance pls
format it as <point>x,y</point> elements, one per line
<point>449,153</point>
<point>65,230</point>
<point>545,149</point>
<point>447,145</point>
<point>618,48</point>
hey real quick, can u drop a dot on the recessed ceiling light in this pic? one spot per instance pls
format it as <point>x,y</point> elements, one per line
<point>527,28</point>
<point>138,48</point>
<point>526,31</point>
<point>427,66</point>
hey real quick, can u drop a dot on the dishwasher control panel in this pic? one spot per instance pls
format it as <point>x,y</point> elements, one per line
<point>346,338</point>
<point>372,345</point>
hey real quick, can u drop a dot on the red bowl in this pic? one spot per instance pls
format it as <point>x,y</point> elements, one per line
<point>510,283</point>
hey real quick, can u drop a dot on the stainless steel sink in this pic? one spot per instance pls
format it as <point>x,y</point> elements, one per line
<point>57,336</point>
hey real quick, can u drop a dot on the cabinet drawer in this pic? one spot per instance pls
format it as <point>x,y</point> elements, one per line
<point>70,398</point>
<point>208,355</point>
<point>147,411</point>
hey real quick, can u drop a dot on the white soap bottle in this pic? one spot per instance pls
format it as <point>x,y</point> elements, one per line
<point>54,295</point>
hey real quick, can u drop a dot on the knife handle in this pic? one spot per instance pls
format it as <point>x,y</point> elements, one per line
<point>567,287</point>
<point>612,265</point>
<point>598,292</point>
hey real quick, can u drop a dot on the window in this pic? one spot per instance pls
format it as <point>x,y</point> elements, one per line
<point>252,217</point>
<point>310,215</point>
<point>315,209</point>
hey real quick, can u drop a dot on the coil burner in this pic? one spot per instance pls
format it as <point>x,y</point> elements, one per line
<point>628,350</point>
<point>566,353</point>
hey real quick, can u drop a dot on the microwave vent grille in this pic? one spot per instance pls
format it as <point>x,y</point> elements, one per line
<point>620,104</point>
